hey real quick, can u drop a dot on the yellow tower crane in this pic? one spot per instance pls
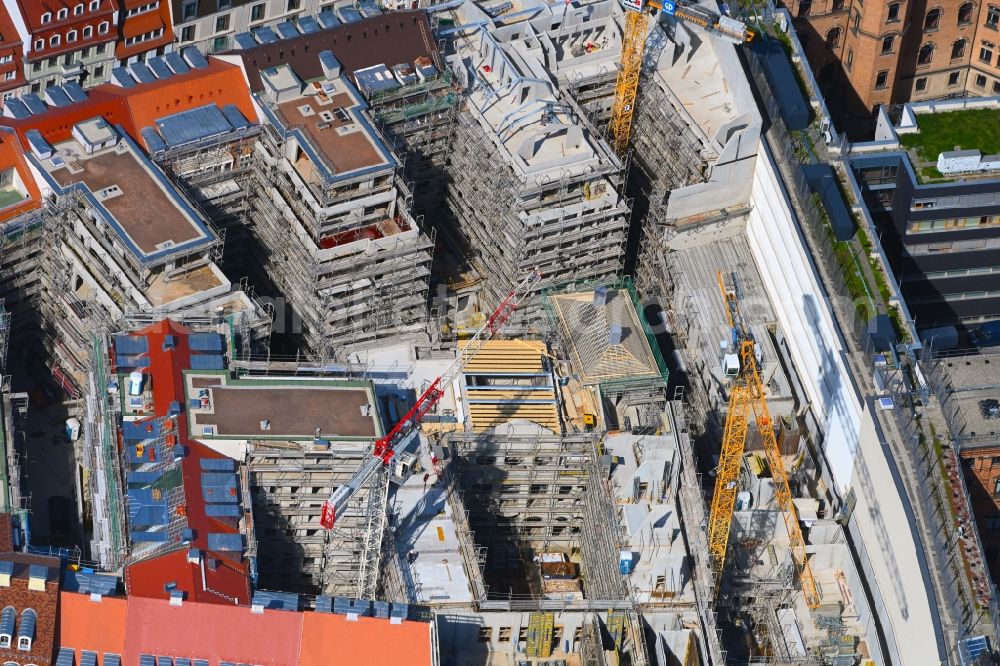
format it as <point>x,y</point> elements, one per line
<point>747,395</point>
<point>634,45</point>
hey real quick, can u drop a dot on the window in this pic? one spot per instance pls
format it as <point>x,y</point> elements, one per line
<point>220,44</point>
<point>505,634</point>
<point>882,79</point>
<point>99,49</point>
<point>893,15</point>
<point>9,76</point>
<point>257,12</point>
<point>850,59</point>
<point>71,36</point>
<point>837,5</point>
<point>103,28</point>
<point>805,6</point>
<point>94,4</point>
<point>39,44</point>
<point>965,13</point>
<point>980,81</point>
<point>925,55</point>
<point>54,40</point>
<point>958,49</point>
<point>99,71</point>
<point>485,634</point>
<point>88,31</point>
<point>856,23</point>
<point>992,16</point>
<point>932,20</point>
<point>996,487</point>
<point>37,66</point>
<point>189,11</point>
<point>53,62</point>
<point>225,4</point>
<point>996,87</point>
<point>833,38</point>
<point>187,33</point>
<point>953,79</point>
<point>68,59</point>
<point>986,52</point>
<point>222,23</point>
<point>993,522</point>
<point>921,84</point>
<point>293,5</point>
<point>887,44</point>
<point>35,87</point>
<point>78,10</point>
<point>46,17</point>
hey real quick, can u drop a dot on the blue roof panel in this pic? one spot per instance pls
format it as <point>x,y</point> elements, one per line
<point>308,25</point>
<point>89,582</point>
<point>7,619</point>
<point>34,103</point>
<point>122,77</point>
<point>56,96</point>
<point>223,510</point>
<point>141,73</point>
<point>131,344</point>
<point>218,464</point>
<point>159,68</point>
<point>154,142</point>
<point>66,657</point>
<point>140,536</point>
<point>286,30</point>
<point>235,118</point>
<point>328,19</point>
<point>75,91</point>
<point>38,142</point>
<point>26,627</point>
<point>245,40</point>
<point>207,362</point>
<point>193,125</point>
<point>205,342</point>
<point>112,659</point>
<point>265,35</point>
<point>194,57</point>
<point>231,543</point>
<point>88,658</point>
<point>219,487</point>
<point>349,14</point>
<point>15,108</point>
<point>288,601</point>
<point>176,63</point>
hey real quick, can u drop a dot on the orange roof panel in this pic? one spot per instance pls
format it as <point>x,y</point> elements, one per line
<point>141,24</point>
<point>367,641</point>
<point>91,625</point>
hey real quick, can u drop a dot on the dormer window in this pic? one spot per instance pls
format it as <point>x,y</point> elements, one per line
<point>103,28</point>
<point>39,44</point>
<point>87,31</point>
<point>63,13</point>
<point>78,9</point>
<point>46,17</point>
<point>54,41</point>
<point>7,618</point>
<point>71,36</point>
<point>26,629</point>
<point>94,4</point>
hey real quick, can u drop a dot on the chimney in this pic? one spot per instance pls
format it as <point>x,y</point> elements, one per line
<point>6,570</point>
<point>194,556</point>
<point>600,296</point>
<point>176,597</point>
<point>37,575</point>
<point>331,66</point>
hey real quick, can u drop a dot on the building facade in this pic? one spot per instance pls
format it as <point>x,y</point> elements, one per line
<point>891,51</point>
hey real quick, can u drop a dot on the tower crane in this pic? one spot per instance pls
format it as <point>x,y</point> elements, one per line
<point>747,395</point>
<point>634,44</point>
<point>375,467</point>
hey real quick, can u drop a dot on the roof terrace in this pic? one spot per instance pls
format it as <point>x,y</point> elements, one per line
<point>103,165</point>
<point>324,116</point>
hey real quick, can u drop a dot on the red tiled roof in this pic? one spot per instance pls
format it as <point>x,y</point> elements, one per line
<point>228,579</point>
<point>142,24</point>
<point>32,11</point>
<point>12,156</point>
<point>212,632</point>
<point>367,641</point>
<point>8,34</point>
<point>138,107</point>
<point>91,625</point>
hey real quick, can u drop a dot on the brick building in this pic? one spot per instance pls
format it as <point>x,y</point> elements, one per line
<point>892,51</point>
<point>11,57</point>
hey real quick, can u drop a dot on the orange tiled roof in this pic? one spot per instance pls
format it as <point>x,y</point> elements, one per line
<point>91,625</point>
<point>367,641</point>
<point>12,155</point>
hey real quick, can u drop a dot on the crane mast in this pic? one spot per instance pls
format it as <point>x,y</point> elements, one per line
<point>748,397</point>
<point>408,427</point>
<point>634,45</point>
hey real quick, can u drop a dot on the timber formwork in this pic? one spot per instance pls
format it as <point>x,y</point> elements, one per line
<point>517,226</point>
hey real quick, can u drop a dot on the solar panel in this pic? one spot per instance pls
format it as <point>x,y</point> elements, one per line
<point>159,68</point>
<point>66,657</point>
<point>205,342</point>
<point>88,658</point>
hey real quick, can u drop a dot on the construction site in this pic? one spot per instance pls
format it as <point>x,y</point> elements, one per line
<point>496,312</point>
